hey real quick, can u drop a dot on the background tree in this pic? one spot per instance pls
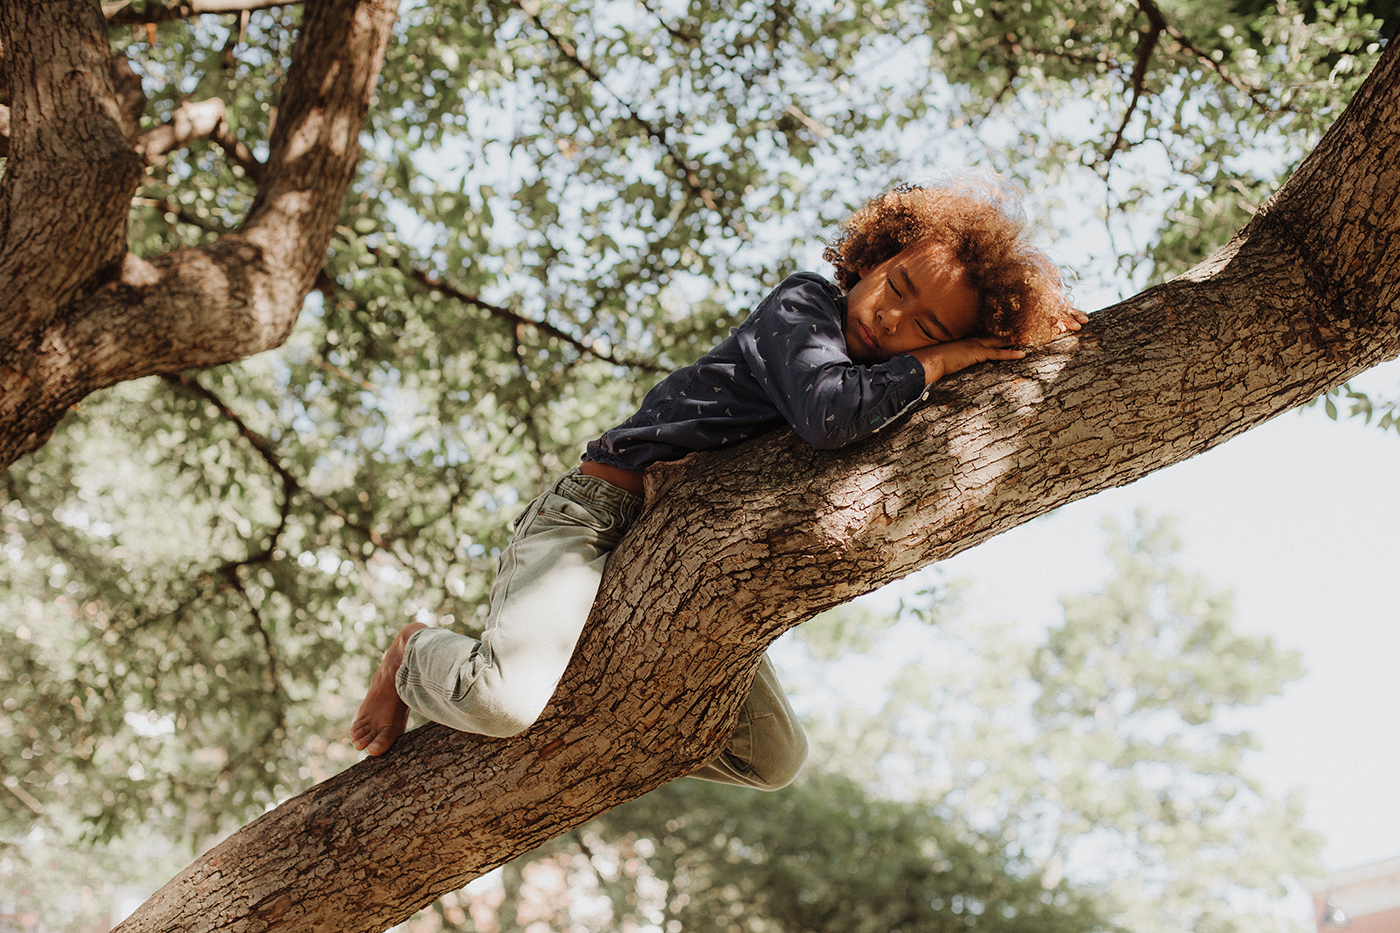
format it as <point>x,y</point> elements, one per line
<point>205,561</point>
<point>1108,749</point>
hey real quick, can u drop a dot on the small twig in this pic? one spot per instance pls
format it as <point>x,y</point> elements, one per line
<point>334,370</point>
<point>819,130</point>
<point>181,214</point>
<point>236,37</point>
<point>24,796</point>
<point>275,680</point>
<point>191,386</point>
<point>1009,46</point>
<point>1147,43</point>
<point>1253,92</point>
<point>672,31</point>
<point>290,484</point>
<point>519,319</point>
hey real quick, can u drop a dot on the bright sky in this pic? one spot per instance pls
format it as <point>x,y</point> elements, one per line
<point>1300,517</point>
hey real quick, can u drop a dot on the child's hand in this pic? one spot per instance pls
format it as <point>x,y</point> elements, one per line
<point>1076,320</point>
<point>944,359</point>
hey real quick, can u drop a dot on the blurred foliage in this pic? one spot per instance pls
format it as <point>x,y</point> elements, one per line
<point>558,202</point>
<point>1106,749</point>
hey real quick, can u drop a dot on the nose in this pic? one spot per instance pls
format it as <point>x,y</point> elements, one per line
<point>889,320</point>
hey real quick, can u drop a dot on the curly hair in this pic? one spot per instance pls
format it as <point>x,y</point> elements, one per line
<point>1021,294</point>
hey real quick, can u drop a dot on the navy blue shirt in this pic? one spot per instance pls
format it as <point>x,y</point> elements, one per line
<point>785,365</point>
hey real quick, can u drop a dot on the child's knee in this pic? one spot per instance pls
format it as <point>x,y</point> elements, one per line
<point>779,758</point>
<point>502,713</point>
<point>484,708</point>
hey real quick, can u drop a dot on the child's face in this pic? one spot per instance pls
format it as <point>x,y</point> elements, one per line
<point>916,298</point>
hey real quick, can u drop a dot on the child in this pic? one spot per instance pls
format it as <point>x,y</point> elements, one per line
<point>935,280</point>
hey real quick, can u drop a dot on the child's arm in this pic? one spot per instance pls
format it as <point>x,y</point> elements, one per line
<point>944,359</point>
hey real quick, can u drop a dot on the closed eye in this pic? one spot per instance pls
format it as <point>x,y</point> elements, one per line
<point>894,288</point>
<point>946,333</point>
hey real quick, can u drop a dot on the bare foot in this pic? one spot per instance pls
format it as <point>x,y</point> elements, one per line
<point>383,716</point>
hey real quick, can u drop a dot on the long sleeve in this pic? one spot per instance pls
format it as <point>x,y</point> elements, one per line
<point>787,363</point>
<point>796,348</point>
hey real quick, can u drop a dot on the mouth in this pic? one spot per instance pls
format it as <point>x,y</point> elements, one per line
<point>867,337</point>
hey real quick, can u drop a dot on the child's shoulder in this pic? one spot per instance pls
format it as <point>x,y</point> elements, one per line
<point>800,290</point>
<point>809,280</point>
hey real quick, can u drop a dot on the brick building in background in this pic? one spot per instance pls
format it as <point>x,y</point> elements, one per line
<point>1360,900</point>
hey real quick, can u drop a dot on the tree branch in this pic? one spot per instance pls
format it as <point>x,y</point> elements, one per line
<point>590,349</point>
<point>1147,44</point>
<point>127,92</point>
<point>232,298</point>
<point>205,119</point>
<point>1253,92</point>
<point>130,96</point>
<point>70,177</point>
<point>120,13</point>
<point>291,485</point>
<point>193,388</point>
<point>182,214</point>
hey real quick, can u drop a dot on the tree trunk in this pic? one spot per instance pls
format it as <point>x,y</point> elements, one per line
<point>80,312</point>
<point>737,546</point>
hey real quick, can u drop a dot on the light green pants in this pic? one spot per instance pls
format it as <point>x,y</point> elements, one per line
<point>544,590</point>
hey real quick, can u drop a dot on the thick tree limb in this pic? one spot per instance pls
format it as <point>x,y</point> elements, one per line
<point>194,307</point>
<point>70,175</point>
<point>126,87</point>
<point>739,545</point>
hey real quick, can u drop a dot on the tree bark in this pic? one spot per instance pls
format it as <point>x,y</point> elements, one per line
<point>737,546</point>
<point>81,312</point>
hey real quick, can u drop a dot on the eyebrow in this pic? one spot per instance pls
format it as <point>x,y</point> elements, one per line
<point>908,282</point>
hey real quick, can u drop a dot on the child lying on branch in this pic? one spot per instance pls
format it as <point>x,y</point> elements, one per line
<point>929,281</point>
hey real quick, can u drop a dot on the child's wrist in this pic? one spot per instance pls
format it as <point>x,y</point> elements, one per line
<point>932,362</point>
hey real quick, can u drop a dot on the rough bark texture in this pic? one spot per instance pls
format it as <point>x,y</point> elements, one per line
<point>736,547</point>
<point>80,312</point>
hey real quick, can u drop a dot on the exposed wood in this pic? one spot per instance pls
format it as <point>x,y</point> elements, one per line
<point>120,12</point>
<point>737,546</point>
